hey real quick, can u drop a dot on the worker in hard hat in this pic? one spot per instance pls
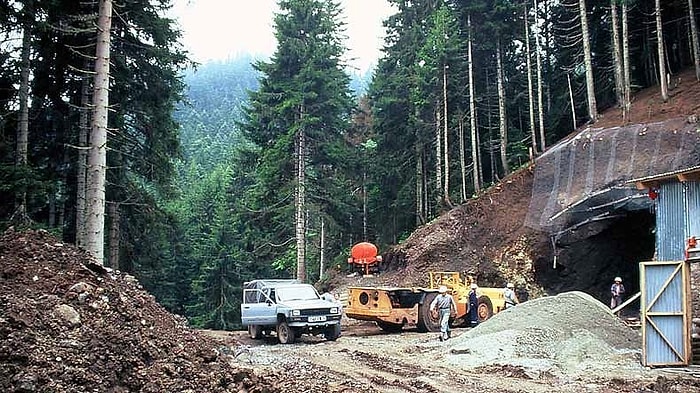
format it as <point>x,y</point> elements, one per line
<point>511,299</point>
<point>616,292</point>
<point>445,305</point>
<point>473,315</point>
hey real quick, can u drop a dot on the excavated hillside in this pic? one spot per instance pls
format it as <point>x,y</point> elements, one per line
<point>497,235</point>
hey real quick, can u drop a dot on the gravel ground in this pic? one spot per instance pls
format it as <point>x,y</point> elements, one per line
<point>564,343</point>
<point>569,335</point>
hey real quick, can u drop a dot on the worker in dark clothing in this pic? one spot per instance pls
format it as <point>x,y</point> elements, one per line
<point>473,306</point>
<point>616,292</point>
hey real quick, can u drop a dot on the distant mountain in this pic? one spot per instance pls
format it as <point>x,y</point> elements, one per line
<point>359,81</point>
<point>215,94</point>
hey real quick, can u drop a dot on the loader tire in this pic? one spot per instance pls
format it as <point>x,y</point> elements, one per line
<point>485,309</point>
<point>426,321</point>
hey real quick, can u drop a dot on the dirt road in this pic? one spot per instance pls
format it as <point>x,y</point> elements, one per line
<point>365,359</point>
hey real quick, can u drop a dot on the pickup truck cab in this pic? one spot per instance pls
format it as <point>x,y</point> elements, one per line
<point>290,308</point>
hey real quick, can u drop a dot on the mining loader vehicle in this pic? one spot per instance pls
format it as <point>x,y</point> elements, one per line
<point>490,300</point>
<point>394,308</point>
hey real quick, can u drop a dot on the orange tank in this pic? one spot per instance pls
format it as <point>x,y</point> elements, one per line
<point>364,256</point>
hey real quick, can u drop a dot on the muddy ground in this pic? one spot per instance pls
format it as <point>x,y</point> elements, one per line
<point>366,359</point>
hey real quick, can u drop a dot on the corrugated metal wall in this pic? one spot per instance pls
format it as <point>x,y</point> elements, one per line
<point>692,218</point>
<point>666,283</point>
<point>677,218</point>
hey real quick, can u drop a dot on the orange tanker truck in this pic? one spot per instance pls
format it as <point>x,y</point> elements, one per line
<point>364,259</point>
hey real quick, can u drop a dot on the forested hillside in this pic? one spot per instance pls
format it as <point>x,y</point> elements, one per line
<point>274,167</point>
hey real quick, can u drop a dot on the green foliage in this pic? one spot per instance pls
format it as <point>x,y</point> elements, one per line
<point>303,89</point>
<point>229,215</point>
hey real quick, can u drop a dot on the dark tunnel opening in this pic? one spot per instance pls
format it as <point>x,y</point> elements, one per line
<point>589,259</point>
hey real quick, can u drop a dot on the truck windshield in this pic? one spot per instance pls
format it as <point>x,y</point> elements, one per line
<point>297,293</point>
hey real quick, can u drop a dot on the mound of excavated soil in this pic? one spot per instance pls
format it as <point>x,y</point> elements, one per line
<point>571,334</point>
<point>68,325</point>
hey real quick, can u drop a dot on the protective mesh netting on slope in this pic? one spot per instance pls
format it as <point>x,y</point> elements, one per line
<point>586,178</point>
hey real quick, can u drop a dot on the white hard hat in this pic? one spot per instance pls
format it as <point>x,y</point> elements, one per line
<point>510,285</point>
<point>473,286</point>
<point>618,279</point>
<point>442,289</point>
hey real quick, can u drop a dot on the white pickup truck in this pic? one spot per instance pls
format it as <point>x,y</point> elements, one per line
<point>289,308</point>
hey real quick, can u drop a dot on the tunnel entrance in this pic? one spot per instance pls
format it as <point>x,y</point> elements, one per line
<point>589,259</point>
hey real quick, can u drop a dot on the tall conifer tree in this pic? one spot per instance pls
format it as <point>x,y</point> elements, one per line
<point>297,119</point>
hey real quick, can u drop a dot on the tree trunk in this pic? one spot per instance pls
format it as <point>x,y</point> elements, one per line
<point>617,57</point>
<point>419,186</point>
<point>23,124</point>
<point>571,99</point>
<point>540,86</point>
<point>420,190</point>
<point>83,131</point>
<point>502,124</point>
<point>114,235</point>
<point>694,38</point>
<point>590,83</point>
<point>97,156</point>
<point>364,206</point>
<point>627,88</point>
<point>660,48</point>
<point>445,150</point>
<point>462,160</point>
<point>438,156</point>
<point>322,261</point>
<point>530,95</point>
<point>301,200</point>
<point>472,113</point>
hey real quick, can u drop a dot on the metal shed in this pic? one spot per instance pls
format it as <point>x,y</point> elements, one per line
<point>665,283</point>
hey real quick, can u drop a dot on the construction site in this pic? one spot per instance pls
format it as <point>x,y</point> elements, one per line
<point>612,200</point>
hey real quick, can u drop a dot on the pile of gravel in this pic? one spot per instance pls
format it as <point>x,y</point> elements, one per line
<point>571,333</point>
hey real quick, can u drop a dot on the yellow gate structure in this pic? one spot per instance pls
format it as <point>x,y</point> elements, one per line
<point>665,307</point>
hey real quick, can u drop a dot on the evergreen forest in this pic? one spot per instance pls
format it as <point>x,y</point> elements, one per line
<point>220,173</point>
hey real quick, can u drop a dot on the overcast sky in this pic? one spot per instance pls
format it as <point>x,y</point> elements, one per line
<point>218,29</point>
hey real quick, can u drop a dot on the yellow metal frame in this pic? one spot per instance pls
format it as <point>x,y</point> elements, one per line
<point>460,291</point>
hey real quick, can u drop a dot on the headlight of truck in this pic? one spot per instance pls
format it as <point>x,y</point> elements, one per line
<point>334,310</point>
<point>296,313</point>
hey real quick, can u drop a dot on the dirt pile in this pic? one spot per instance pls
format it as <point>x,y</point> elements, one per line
<point>484,237</point>
<point>68,325</point>
<point>570,334</point>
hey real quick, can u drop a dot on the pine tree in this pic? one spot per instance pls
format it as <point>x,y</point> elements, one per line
<point>297,119</point>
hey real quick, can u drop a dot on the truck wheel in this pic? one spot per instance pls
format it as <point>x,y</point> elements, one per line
<point>390,327</point>
<point>255,331</point>
<point>285,334</point>
<point>485,310</point>
<point>426,321</point>
<point>332,332</point>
